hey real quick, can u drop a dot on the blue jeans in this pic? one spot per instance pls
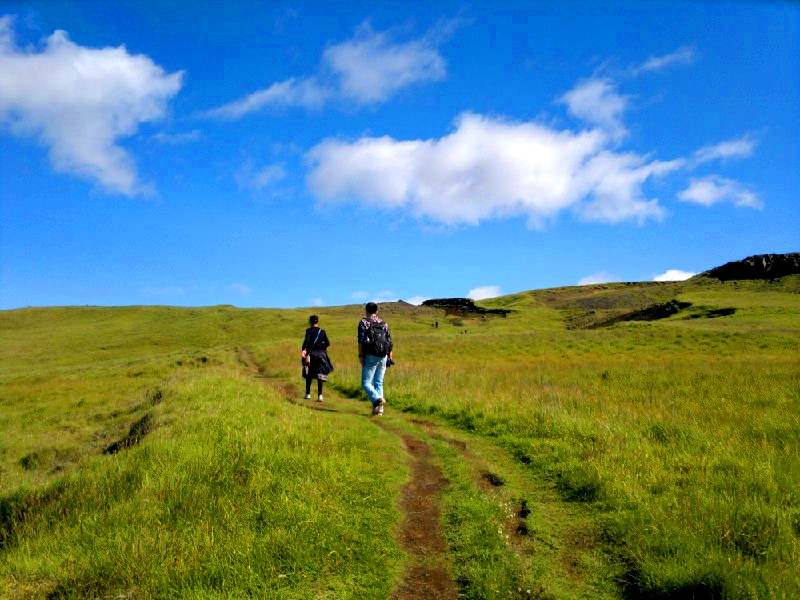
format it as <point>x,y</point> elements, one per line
<point>372,376</point>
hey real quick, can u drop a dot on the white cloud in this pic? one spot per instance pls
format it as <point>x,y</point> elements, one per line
<point>417,300</point>
<point>248,177</point>
<point>385,296</point>
<point>490,168</point>
<point>596,101</point>
<point>738,148</point>
<point>239,288</point>
<point>674,275</point>
<point>359,295</point>
<point>713,189</point>
<point>601,277</point>
<point>176,139</point>
<point>317,302</point>
<point>81,101</point>
<point>484,292</point>
<point>371,67</point>
<point>305,92</point>
<point>368,68</point>
<point>685,55</point>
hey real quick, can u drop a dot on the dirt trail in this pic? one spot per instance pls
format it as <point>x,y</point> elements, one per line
<point>420,534</point>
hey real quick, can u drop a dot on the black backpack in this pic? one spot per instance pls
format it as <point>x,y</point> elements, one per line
<point>378,341</point>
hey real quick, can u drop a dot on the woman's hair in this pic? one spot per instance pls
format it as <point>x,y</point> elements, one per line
<point>313,319</point>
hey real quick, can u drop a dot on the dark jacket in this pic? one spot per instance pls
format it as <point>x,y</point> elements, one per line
<point>315,344</point>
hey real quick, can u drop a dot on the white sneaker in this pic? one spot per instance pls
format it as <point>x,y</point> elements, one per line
<point>377,408</point>
<point>307,397</point>
<point>319,399</point>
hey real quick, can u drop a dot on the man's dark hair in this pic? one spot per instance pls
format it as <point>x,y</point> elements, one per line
<point>313,319</point>
<point>372,308</point>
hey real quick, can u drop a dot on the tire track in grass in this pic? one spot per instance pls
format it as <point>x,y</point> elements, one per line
<point>420,533</point>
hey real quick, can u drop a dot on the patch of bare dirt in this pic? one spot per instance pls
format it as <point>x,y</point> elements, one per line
<point>423,582</point>
<point>493,479</point>
<point>421,532</point>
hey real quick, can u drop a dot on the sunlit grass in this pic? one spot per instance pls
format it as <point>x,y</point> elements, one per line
<point>679,440</point>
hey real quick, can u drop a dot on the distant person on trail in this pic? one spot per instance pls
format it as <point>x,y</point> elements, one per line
<point>316,364</point>
<point>374,348</point>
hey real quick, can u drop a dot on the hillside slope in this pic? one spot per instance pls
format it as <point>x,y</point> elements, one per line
<point>164,452</point>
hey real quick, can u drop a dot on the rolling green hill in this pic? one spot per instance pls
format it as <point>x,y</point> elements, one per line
<point>609,441</point>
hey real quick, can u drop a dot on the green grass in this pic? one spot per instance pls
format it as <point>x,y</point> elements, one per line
<point>231,492</point>
<point>672,446</point>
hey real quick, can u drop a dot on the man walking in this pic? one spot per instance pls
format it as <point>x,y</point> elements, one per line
<point>374,346</point>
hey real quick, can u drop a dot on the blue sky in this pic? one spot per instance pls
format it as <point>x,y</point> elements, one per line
<point>299,154</point>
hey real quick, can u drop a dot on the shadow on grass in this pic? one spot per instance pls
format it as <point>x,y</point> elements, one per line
<point>138,430</point>
<point>353,392</point>
<point>708,586</point>
<point>17,508</point>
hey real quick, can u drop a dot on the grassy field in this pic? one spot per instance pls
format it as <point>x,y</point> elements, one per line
<point>140,457</point>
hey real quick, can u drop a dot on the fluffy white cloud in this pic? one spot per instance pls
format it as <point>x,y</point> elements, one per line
<point>596,101</point>
<point>81,101</point>
<point>490,168</point>
<point>685,55</point>
<point>601,277</point>
<point>359,295</point>
<point>317,302</point>
<point>486,291</point>
<point>367,68</point>
<point>674,275</point>
<point>306,93</point>
<point>371,67</point>
<point>713,189</point>
<point>417,300</point>
<point>738,148</point>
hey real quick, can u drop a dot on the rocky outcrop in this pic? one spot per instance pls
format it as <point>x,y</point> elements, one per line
<point>760,266</point>
<point>653,312</point>
<point>463,306</point>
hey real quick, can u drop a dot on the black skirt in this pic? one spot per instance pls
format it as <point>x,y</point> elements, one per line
<point>319,366</point>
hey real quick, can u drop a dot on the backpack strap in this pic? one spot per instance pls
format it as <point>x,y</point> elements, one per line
<point>315,341</point>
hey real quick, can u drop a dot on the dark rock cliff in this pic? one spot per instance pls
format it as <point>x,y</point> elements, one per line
<point>463,306</point>
<point>760,266</point>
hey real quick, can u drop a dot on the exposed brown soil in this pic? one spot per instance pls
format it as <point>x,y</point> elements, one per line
<point>425,582</point>
<point>421,532</point>
<point>492,479</point>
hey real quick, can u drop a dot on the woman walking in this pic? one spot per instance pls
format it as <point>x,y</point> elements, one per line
<point>316,364</point>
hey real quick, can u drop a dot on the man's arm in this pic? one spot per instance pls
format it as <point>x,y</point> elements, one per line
<point>361,332</point>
